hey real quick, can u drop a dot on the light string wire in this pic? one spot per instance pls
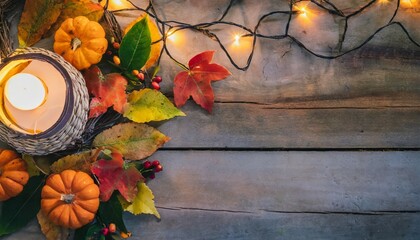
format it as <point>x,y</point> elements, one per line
<point>172,27</point>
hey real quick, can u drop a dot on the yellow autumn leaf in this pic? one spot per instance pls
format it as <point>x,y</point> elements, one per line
<point>134,141</point>
<point>79,162</point>
<point>73,8</point>
<point>37,17</point>
<point>50,230</point>
<point>143,203</point>
<point>150,105</point>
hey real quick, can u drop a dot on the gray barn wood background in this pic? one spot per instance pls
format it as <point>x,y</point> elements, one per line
<point>297,147</point>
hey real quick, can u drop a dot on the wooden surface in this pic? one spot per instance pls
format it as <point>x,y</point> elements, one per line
<point>297,147</point>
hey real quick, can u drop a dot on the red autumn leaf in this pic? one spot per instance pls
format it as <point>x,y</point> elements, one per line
<point>196,82</point>
<point>107,90</point>
<point>113,175</point>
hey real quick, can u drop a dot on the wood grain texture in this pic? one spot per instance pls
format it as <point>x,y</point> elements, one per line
<point>259,126</point>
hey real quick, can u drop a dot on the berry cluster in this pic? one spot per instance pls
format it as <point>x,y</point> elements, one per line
<point>110,232</point>
<point>148,169</point>
<point>139,74</point>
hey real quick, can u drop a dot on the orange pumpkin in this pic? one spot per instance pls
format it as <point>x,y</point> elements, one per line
<point>80,41</point>
<point>13,174</point>
<point>70,198</point>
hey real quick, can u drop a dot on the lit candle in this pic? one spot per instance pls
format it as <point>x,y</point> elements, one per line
<point>25,91</point>
<point>33,96</point>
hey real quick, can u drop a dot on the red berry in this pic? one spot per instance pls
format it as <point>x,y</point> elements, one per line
<point>140,76</point>
<point>112,227</point>
<point>157,79</point>
<point>105,231</point>
<point>147,165</point>
<point>158,168</point>
<point>116,45</point>
<point>155,163</point>
<point>109,52</point>
<point>152,176</point>
<point>155,85</point>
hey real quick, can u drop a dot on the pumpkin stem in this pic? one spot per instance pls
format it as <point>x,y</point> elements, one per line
<point>67,198</point>
<point>75,43</point>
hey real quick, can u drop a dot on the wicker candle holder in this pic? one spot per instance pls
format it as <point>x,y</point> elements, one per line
<point>67,121</point>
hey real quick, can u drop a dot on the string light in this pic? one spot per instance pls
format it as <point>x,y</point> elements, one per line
<point>406,3</point>
<point>237,38</point>
<point>116,4</point>
<point>303,12</point>
<point>171,35</point>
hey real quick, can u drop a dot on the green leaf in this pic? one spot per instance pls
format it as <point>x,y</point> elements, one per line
<point>135,141</point>
<point>91,231</point>
<point>150,105</point>
<point>20,210</point>
<point>111,212</point>
<point>135,46</point>
<point>142,203</point>
<point>31,167</point>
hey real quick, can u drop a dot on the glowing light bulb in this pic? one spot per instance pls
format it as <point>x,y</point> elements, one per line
<point>118,2</point>
<point>237,38</point>
<point>406,3</point>
<point>24,91</point>
<point>171,35</point>
<point>303,12</point>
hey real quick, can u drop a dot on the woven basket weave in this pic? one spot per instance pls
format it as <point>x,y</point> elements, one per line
<point>71,124</point>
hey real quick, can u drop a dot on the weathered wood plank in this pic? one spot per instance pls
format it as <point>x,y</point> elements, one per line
<point>281,195</point>
<point>197,224</point>
<point>281,73</point>
<point>289,181</point>
<point>207,225</point>
<point>235,125</point>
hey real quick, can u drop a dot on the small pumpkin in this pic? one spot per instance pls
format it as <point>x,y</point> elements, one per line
<point>80,41</point>
<point>13,174</point>
<point>70,198</point>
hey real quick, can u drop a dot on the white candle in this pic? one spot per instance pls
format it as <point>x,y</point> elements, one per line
<point>25,91</point>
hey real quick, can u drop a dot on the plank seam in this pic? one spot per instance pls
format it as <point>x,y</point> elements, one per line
<point>367,213</point>
<point>346,212</point>
<point>290,149</point>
